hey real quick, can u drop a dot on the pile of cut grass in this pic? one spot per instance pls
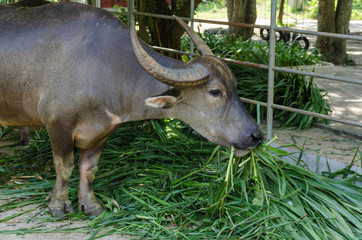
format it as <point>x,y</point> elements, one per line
<point>160,180</point>
<point>4,130</point>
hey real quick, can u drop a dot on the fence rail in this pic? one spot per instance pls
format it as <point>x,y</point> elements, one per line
<point>271,65</point>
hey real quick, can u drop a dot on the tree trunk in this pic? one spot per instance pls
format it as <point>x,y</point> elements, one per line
<point>142,22</point>
<point>333,21</point>
<point>281,12</point>
<point>242,11</point>
<point>343,16</point>
<point>164,32</point>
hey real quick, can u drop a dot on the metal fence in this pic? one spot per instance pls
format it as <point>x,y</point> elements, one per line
<point>270,105</point>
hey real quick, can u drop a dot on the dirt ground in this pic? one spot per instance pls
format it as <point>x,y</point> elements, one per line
<point>345,100</point>
<point>32,220</point>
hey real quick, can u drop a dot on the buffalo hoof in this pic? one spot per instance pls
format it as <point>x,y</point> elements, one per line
<point>92,208</point>
<point>59,208</point>
<point>96,211</point>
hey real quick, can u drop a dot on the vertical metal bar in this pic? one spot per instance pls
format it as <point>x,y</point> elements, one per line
<point>98,3</point>
<point>192,7</point>
<point>271,70</point>
<point>130,11</point>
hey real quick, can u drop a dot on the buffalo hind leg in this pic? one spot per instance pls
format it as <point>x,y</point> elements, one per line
<point>25,136</point>
<point>62,146</point>
<point>88,160</point>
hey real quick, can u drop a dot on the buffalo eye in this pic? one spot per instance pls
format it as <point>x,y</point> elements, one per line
<point>215,92</point>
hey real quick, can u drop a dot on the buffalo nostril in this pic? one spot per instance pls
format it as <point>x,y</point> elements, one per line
<point>249,141</point>
<point>256,137</point>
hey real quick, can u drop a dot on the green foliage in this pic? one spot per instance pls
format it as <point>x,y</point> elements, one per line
<point>357,4</point>
<point>158,180</point>
<point>312,6</point>
<point>214,9</point>
<point>121,12</point>
<point>210,5</point>
<point>312,9</point>
<point>255,51</point>
<point>290,90</point>
<point>4,130</point>
<point>357,10</point>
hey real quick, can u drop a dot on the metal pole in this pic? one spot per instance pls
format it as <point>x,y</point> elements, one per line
<point>271,71</point>
<point>130,11</point>
<point>192,7</point>
<point>98,3</point>
<point>313,114</point>
<point>317,75</point>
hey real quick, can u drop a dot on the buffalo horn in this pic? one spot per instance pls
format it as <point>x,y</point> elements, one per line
<point>192,74</point>
<point>199,43</point>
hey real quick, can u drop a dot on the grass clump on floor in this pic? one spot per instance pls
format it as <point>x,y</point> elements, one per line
<point>4,130</point>
<point>160,180</point>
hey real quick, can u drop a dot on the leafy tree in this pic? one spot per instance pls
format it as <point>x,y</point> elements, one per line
<point>334,18</point>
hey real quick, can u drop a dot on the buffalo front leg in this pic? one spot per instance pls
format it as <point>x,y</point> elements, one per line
<point>88,160</point>
<point>62,146</point>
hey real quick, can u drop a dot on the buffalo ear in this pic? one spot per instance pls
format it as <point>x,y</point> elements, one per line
<point>167,99</point>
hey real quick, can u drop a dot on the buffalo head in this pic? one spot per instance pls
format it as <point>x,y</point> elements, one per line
<point>203,95</point>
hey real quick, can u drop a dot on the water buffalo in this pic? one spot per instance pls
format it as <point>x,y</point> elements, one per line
<point>80,72</point>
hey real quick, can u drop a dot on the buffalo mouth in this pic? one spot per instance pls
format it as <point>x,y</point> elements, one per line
<point>241,152</point>
<point>243,148</point>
